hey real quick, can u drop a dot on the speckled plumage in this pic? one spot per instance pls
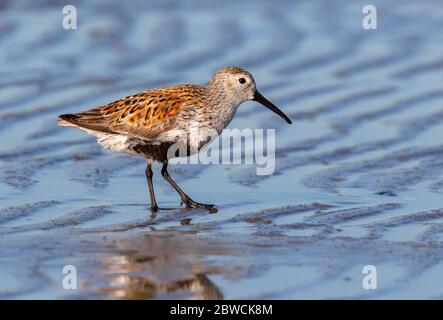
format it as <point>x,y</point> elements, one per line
<point>150,122</point>
<point>146,115</point>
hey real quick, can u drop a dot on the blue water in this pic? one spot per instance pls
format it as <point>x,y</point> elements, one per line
<point>358,175</point>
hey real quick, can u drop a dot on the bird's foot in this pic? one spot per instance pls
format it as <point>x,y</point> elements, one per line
<point>156,209</point>
<point>194,204</point>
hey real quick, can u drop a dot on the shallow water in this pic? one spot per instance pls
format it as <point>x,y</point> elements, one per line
<point>358,176</point>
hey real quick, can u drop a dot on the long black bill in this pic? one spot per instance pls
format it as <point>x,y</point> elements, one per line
<point>268,104</point>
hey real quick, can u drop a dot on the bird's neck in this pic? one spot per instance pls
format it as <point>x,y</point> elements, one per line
<point>221,108</point>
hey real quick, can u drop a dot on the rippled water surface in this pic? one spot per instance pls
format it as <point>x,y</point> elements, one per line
<point>358,176</point>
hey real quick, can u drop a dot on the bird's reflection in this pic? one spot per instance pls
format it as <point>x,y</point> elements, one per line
<point>151,277</point>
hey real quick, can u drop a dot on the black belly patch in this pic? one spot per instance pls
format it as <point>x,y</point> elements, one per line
<point>160,152</point>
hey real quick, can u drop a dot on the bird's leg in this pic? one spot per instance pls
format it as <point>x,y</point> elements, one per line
<point>149,175</point>
<point>185,198</point>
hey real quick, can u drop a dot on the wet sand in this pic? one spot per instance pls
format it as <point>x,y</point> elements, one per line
<point>358,176</point>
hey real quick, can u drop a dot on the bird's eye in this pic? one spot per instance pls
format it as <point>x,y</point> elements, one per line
<point>242,80</point>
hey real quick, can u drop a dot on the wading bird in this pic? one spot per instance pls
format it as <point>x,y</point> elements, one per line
<point>149,123</point>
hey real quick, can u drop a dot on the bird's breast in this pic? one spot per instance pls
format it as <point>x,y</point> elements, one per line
<point>221,116</point>
<point>196,127</point>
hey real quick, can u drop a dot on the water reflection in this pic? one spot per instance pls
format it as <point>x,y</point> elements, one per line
<point>162,275</point>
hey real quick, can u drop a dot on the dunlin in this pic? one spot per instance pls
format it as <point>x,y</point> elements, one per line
<point>147,124</point>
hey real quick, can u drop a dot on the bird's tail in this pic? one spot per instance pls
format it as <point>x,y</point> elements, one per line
<point>65,120</point>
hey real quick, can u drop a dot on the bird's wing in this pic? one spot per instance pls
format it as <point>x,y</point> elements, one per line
<point>145,115</point>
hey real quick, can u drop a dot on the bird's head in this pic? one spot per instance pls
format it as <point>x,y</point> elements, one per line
<point>238,86</point>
